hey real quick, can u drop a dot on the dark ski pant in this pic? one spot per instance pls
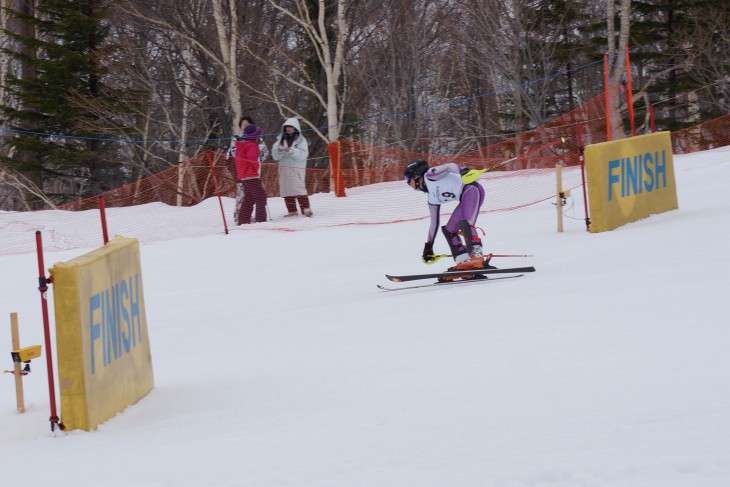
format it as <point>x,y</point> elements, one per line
<point>291,203</point>
<point>254,194</point>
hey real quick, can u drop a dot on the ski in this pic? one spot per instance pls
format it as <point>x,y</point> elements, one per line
<point>469,272</point>
<point>447,283</point>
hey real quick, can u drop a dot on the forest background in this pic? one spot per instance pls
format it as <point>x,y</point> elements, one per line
<point>95,94</point>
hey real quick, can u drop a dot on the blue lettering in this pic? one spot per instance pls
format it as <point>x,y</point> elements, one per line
<point>104,351</point>
<point>116,303</point>
<point>612,178</point>
<point>95,333</point>
<point>126,326</point>
<point>115,321</point>
<point>661,168</point>
<point>648,163</point>
<point>632,175</point>
<point>638,174</point>
<point>110,323</point>
<point>134,309</point>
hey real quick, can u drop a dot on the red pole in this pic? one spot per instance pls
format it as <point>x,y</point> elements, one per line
<point>608,95</point>
<point>335,152</point>
<point>579,135</point>
<point>217,192</point>
<point>42,287</point>
<point>102,211</point>
<point>629,95</point>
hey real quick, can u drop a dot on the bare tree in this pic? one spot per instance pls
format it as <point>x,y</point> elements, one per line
<point>617,57</point>
<point>15,184</point>
<point>325,34</point>
<point>704,46</point>
<point>218,43</point>
<point>402,70</point>
<point>515,47</point>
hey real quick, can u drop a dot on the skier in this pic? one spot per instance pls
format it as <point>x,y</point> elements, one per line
<point>450,182</point>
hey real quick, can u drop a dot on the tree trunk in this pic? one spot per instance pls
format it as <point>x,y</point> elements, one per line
<point>228,44</point>
<point>330,55</point>
<point>617,60</point>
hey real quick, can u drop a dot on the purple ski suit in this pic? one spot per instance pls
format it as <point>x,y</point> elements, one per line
<point>444,184</point>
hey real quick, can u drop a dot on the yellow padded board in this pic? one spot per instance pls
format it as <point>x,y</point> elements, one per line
<point>630,179</point>
<point>103,346</point>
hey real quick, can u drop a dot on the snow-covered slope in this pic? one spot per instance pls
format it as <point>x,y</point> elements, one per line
<point>278,362</point>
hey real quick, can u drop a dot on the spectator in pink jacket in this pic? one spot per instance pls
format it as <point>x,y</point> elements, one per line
<point>248,172</point>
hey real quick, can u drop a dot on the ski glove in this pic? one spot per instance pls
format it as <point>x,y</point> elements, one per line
<point>428,256</point>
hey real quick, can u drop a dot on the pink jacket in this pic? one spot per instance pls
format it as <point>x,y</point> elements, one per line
<point>247,159</point>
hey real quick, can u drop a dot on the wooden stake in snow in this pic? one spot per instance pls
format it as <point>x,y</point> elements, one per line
<point>559,194</point>
<point>16,365</point>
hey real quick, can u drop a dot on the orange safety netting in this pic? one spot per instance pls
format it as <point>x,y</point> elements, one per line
<point>707,135</point>
<point>193,181</point>
<point>521,172</point>
<point>356,164</point>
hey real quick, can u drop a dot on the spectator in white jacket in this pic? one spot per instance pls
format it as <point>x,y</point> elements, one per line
<point>291,152</point>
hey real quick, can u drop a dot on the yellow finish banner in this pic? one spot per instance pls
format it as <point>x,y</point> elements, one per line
<point>103,348</point>
<point>630,179</point>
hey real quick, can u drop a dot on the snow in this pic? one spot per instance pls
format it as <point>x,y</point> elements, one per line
<point>279,363</point>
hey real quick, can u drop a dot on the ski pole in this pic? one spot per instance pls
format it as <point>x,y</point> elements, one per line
<point>441,256</point>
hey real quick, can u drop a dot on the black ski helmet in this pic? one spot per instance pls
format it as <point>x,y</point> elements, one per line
<point>415,170</point>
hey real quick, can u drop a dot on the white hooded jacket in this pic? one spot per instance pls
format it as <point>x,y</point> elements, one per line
<point>292,163</point>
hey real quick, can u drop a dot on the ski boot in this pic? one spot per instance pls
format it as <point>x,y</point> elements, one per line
<point>474,259</point>
<point>467,257</point>
<point>474,247</point>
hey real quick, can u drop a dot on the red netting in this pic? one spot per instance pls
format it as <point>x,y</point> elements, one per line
<point>708,135</point>
<point>193,181</point>
<point>556,141</point>
<point>521,173</point>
